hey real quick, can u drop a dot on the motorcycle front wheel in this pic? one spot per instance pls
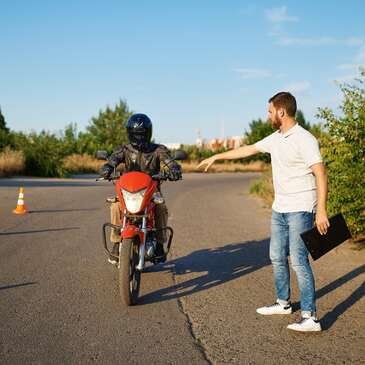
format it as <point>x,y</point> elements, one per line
<point>129,276</point>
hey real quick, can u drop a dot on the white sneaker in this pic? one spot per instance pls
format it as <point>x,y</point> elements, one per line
<point>307,324</point>
<point>276,308</point>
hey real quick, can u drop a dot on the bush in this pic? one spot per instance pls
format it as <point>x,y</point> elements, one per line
<point>43,153</point>
<point>196,153</point>
<point>264,188</point>
<point>344,155</point>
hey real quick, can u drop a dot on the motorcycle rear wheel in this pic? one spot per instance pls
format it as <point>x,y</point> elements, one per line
<point>129,276</point>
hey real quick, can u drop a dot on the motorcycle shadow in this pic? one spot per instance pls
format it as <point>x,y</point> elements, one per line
<point>219,265</point>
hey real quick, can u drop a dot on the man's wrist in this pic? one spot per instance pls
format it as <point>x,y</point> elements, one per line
<point>321,210</point>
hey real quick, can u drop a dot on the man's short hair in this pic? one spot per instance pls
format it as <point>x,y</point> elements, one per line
<point>286,101</point>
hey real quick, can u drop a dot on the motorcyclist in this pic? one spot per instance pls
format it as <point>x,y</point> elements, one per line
<point>141,155</point>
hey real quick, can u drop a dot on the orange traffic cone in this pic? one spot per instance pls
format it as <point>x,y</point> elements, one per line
<point>20,208</point>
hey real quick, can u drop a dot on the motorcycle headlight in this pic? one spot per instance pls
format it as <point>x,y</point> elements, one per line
<point>133,201</point>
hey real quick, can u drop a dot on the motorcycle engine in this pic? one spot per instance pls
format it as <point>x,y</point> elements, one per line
<point>150,246</point>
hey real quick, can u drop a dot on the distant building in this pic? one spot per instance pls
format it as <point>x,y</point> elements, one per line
<point>228,143</point>
<point>173,146</point>
<point>233,142</point>
<point>200,143</point>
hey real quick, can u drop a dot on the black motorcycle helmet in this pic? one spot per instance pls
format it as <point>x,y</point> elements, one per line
<point>139,130</point>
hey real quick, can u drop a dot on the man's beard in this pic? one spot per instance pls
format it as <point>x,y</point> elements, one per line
<point>276,123</point>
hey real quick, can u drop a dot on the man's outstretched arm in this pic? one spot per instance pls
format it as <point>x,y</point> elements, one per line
<point>241,152</point>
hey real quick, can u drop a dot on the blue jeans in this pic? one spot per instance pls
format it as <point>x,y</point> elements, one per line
<point>286,241</point>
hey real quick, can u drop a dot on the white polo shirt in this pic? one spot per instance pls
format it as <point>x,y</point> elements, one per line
<point>292,154</point>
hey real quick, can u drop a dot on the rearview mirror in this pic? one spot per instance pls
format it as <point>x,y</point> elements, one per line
<point>101,155</point>
<point>180,155</point>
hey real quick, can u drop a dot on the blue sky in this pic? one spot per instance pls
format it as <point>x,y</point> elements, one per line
<point>189,65</point>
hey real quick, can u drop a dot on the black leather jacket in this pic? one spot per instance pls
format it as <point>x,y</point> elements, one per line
<point>148,161</point>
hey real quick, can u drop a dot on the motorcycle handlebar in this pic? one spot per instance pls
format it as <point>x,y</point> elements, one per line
<point>101,178</point>
<point>162,176</point>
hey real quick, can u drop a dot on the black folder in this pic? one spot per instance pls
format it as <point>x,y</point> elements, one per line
<point>318,244</point>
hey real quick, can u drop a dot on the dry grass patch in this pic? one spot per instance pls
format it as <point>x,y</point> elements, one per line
<point>81,164</point>
<point>78,164</point>
<point>11,162</point>
<point>256,166</point>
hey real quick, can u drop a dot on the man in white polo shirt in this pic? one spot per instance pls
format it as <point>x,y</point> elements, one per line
<point>300,185</point>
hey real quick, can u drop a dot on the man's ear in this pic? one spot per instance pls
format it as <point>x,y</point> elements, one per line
<point>281,112</point>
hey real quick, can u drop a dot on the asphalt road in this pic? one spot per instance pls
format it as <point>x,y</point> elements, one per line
<point>59,298</point>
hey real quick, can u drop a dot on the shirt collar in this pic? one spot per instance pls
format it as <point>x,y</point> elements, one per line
<point>290,131</point>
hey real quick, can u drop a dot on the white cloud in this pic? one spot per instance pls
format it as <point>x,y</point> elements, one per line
<point>345,78</point>
<point>279,15</point>
<point>351,69</point>
<point>253,73</point>
<point>353,41</point>
<point>318,41</point>
<point>298,87</point>
<point>303,41</point>
<point>349,66</point>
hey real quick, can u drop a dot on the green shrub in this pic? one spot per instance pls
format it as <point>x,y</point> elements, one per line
<point>43,153</point>
<point>344,154</point>
<point>196,153</point>
<point>264,188</point>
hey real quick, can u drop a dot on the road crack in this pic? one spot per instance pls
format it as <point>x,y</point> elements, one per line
<point>189,322</point>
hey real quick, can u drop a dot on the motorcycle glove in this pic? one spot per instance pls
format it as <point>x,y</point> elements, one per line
<point>175,174</point>
<point>105,171</point>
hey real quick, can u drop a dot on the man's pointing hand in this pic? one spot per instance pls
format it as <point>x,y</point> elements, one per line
<point>208,162</point>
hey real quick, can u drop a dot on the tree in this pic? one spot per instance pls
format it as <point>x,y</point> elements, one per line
<point>3,123</point>
<point>108,129</point>
<point>258,129</point>
<point>4,132</point>
<point>69,139</point>
<point>299,117</point>
<point>344,154</point>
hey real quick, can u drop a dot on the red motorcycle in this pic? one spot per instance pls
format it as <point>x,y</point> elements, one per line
<point>137,193</point>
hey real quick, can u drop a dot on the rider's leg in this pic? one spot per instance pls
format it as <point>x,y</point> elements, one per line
<point>115,218</point>
<point>161,218</point>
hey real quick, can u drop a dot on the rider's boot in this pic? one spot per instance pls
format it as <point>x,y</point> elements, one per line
<point>160,253</point>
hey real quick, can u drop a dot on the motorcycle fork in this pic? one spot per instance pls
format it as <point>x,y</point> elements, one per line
<point>142,245</point>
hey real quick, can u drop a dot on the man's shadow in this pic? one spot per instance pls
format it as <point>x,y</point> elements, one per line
<point>231,261</point>
<point>330,317</point>
<point>217,265</point>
